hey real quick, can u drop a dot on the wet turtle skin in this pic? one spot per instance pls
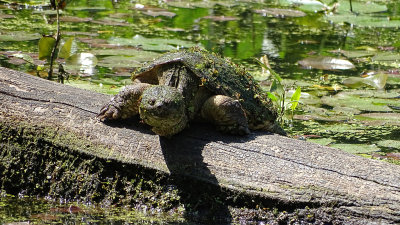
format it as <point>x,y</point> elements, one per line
<point>194,85</point>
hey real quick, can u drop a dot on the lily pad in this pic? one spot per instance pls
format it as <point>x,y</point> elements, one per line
<point>386,56</point>
<point>389,143</point>
<point>356,53</point>
<point>221,18</point>
<point>360,102</point>
<point>363,20</point>
<point>365,14</point>
<point>326,63</point>
<point>141,56</point>
<point>159,13</point>
<point>280,12</point>
<point>321,114</point>
<point>19,36</point>
<point>356,148</point>
<point>25,57</point>
<point>379,119</point>
<point>111,22</point>
<point>200,4</point>
<point>104,88</point>
<point>87,8</point>
<point>75,19</point>
<point>305,5</point>
<point>152,44</point>
<point>6,16</point>
<point>119,61</point>
<point>360,7</point>
<point>321,141</point>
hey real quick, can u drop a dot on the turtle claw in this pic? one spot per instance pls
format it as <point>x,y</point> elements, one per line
<point>108,112</point>
<point>243,130</point>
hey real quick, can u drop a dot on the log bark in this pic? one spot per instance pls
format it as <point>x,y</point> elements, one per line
<point>277,171</point>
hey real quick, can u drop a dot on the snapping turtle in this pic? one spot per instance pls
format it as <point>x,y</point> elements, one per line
<point>194,84</point>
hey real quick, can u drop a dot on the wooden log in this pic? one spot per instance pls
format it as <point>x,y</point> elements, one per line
<point>277,171</point>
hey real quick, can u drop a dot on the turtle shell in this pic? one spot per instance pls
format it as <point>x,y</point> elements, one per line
<point>220,76</point>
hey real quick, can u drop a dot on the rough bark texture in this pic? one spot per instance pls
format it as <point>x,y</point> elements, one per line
<point>43,124</point>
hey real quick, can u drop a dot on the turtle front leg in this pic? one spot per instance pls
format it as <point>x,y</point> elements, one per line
<point>125,104</point>
<point>226,113</point>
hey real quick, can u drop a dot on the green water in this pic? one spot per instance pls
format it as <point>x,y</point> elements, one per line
<point>25,209</point>
<point>121,35</point>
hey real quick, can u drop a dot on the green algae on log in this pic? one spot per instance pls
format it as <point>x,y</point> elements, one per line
<point>51,132</point>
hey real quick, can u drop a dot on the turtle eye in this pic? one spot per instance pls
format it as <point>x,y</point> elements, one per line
<point>152,101</point>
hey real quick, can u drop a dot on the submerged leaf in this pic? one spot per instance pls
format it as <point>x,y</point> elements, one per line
<point>326,63</point>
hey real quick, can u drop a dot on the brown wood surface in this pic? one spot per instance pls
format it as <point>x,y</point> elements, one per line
<point>273,167</point>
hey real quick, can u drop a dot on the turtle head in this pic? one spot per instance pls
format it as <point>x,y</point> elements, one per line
<point>163,108</point>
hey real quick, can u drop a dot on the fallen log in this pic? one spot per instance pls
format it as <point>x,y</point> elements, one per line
<point>52,144</point>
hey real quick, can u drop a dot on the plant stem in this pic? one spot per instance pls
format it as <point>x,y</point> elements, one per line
<point>53,53</point>
<point>351,7</point>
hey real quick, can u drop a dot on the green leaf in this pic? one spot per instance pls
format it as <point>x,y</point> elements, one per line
<point>65,50</point>
<point>295,98</point>
<point>277,87</point>
<point>272,96</point>
<point>274,86</point>
<point>46,45</point>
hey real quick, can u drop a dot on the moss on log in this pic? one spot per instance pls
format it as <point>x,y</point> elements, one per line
<point>51,144</point>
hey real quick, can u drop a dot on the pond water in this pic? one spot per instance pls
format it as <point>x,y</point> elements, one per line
<point>346,63</point>
<point>19,210</point>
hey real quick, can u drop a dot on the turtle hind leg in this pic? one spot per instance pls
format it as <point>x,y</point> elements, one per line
<point>125,104</point>
<point>226,113</point>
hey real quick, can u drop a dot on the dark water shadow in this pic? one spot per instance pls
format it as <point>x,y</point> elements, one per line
<point>200,191</point>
